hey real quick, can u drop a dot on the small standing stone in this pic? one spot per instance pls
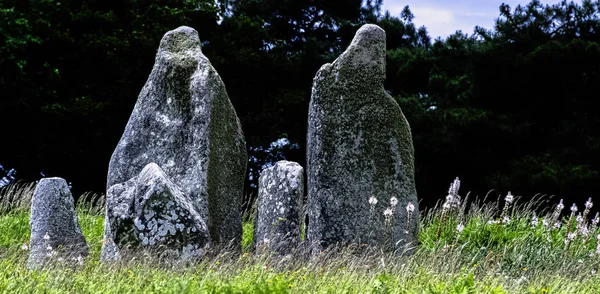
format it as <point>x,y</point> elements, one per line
<point>280,193</point>
<point>151,212</point>
<point>55,232</point>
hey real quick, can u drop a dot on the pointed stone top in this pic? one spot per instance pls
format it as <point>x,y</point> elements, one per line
<point>179,40</point>
<point>363,62</point>
<point>369,35</point>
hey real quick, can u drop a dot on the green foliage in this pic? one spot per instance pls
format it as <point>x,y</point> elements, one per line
<point>248,236</point>
<point>519,97</point>
<point>15,229</point>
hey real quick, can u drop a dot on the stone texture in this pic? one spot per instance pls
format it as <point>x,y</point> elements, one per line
<point>280,193</point>
<point>184,122</point>
<point>359,145</point>
<point>55,232</point>
<point>151,212</point>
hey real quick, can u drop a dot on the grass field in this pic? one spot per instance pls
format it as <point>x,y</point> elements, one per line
<point>496,247</point>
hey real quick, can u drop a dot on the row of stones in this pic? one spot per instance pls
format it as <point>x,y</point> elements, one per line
<point>57,237</point>
<point>177,174</point>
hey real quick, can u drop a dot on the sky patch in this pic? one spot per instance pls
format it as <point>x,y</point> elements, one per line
<point>443,18</point>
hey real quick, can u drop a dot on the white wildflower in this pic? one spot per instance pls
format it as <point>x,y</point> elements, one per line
<point>589,204</point>
<point>594,223</point>
<point>460,227</point>
<point>571,235</point>
<point>534,221</point>
<point>505,220</point>
<point>24,247</point>
<point>266,240</point>
<point>579,218</point>
<point>584,231</point>
<point>60,259</point>
<point>560,206</point>
<point>373,201</point>
<point>452,199</point>
<point>545,223</point>
<point>492,222</point>
<point>574,208</point>
<point>46,236</point>
<point>387,212</point>
<point>557,225</point>
<point>393,201</point>
<point>598,246</point>
<point>410,208</point>
<point>454,187</point>
<point>51,253</point>
<point>509,198</point>
<point>80,259</point>
<point>49,248</point>
<point>580,260</point>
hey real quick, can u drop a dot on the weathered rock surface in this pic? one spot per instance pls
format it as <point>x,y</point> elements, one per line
<point>184,122</point>
<point>280,193</point>
<point>151,212</point>
<point>55,232</point>
<point>359,145</point>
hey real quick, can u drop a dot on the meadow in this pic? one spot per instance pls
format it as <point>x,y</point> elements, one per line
<point>466,245</point>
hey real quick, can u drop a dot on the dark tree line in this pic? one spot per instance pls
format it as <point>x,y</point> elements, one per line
<point>506,108</point>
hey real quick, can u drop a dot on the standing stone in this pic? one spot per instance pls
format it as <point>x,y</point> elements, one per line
<point>359,147</point>
<point>55,232</point>
<point>150,211</point>
<point>280,192</point>
<point>184,122</point>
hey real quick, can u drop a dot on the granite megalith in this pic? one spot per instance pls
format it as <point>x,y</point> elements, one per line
<point>360,162</point>
<point>279,212</point>
<point>55,233</point>
<point>152,213</point>
<point>184,122</point>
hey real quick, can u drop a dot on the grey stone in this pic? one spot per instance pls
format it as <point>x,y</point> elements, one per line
<point>280,193</point>
<point>185,123</point>
<point>359,145</point>
<point>151,212</point>
<point>55,233</point>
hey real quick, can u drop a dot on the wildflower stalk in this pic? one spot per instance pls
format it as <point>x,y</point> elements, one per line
<point>508,201</point>
<point>452,201</point>
<point>442,223</point>
<point>595,221</point>
<point>410,208</point>
<point>570,235</point>
<point>556,214</point>
<point>582,225</point>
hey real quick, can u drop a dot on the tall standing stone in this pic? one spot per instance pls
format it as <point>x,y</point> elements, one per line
<point>280,193</point>
<point>184,122</point>
<point>55,232</point>
<point>359,147</point>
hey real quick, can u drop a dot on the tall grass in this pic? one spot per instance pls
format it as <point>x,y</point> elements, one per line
<point>477,246</point>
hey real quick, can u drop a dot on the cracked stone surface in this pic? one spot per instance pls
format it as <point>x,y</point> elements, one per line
<point>280,193</point>
<point>359,145</point>
<point>151,212</point>
<point>185,123</point>
<point>55,233</point>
